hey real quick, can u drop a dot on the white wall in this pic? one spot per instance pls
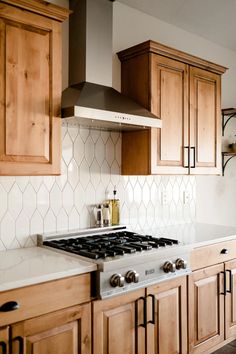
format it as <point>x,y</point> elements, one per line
<point>216,196</point>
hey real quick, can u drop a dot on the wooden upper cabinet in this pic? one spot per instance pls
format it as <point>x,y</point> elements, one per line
<point>205,121</point>
<point>30,87</point>
<point>184,91</point>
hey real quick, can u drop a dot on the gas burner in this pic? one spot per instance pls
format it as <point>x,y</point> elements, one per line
<point>125,260</point>
<point>110,244</point>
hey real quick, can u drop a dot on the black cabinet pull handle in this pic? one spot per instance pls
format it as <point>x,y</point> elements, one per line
<point>152,321</point>
<point>194,156</point>
<point>4,347</point>
<point>144,324</point>
<point>187,147</point>
<point>230,281</point>
<point>224,251</point>
<point>9,306</point>
<point>224,291</point>
<point>21,344</point>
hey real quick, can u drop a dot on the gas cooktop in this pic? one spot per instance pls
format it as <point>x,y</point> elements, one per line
<point>125,260</point>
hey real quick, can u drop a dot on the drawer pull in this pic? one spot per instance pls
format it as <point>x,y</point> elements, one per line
<point>9,306</point>
<point>224,251</point>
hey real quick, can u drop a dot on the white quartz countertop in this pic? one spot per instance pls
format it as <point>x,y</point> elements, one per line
<point>197,234</point>
<point>27,266</point>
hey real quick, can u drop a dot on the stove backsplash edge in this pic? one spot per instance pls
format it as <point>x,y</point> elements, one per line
<point>91,161</point>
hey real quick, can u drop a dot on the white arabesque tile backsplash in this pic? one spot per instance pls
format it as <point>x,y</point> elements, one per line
<point>91,161</point>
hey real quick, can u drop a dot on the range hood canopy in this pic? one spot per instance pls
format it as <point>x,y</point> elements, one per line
<point>90,100</point>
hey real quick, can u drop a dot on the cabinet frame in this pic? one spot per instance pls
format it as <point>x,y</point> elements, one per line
<point>139,66</point>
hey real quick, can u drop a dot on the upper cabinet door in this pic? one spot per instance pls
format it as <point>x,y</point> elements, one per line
<point>205,122</point>
<point>169,100</point>
<point>30,92</point>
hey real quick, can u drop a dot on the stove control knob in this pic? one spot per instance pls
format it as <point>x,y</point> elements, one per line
<point>169,267</point>
<point>117,280</point>
<point>181,263</point>
<point>132,277</point>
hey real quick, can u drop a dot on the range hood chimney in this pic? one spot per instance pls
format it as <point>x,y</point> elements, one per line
<point>90,99</point>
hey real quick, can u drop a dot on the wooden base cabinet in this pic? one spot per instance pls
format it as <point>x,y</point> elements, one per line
<point>48,318</point>
<point>30,87</point>
<point>151,321</point>
<point>4,340</point>
<point>206,308</point>
<point>117,325</point>
<point>185,92</point>
<point>64,332</point>
<point>168,335</point>
<point>230,300</point>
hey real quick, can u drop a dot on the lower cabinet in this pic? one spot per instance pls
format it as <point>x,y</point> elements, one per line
<point>117,324</point>
<point>230,300</point>
<point>4,340</point>
<point>66,331</point>
<point>148,321</point>
<point>206,308</point>
<point>168,335</point>
<point>212,307</point>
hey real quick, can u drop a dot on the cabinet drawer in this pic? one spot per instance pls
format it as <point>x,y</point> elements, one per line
<point>208,255</point>
<point>47,297</point>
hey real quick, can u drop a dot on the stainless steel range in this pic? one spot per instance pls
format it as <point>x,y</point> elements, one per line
<point>125,260</point>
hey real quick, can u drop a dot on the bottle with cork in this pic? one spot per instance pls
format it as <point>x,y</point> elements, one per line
<point>115,210</point>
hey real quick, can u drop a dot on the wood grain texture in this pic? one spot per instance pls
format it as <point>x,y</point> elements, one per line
<point>206,309</point>
<point>158,48</point>
<point>114,329</point>
<point>185,93</point>
<point>205,121</point>
<point>60,332</point>
<point>208,255</point>
<point>47,297</point>
<point>169,92</point>
<point>169,335</point>
<point>30,93</point>
<point>230,301</point>
<point>41,7</point>
<point>4,340</point>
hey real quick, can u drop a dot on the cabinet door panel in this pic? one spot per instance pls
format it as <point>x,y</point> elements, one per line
<point>27,93</point>
<point>169,89</point>
<point>205,121</point>
<point>169,335</point>
<point>114,325</point>
<point>63,332</point>
<point>4,340</point>
<point>206,308</point>
<point>230,300</point>
<point>30,92</point>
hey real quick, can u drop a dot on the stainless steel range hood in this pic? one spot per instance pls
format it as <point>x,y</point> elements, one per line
<point>90,100</point>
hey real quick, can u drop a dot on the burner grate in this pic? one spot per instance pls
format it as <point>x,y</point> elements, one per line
<point>110,244</point>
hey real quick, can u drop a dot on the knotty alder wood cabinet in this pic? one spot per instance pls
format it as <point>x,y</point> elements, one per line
<point>30,87</point>
<point>147,321</point>
<point>211,297</point>
<point>53,318</point>
<point>185,92</point>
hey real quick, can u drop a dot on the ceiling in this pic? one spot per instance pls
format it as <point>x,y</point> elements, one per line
<point>211,19</point>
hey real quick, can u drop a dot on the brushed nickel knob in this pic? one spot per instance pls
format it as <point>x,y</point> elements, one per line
<point>132,276</point>
<point>169,267</point>
<point>117,280</point>
<point>181,263</point>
